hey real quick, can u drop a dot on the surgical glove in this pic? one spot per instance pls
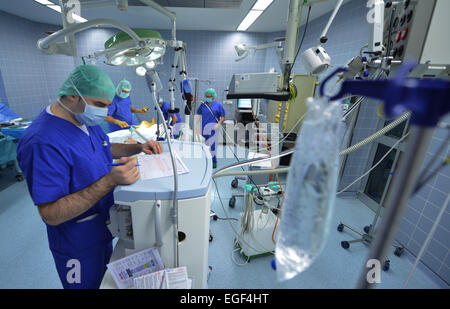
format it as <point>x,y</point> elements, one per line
<point>121,124</point>
<point>144,110</point>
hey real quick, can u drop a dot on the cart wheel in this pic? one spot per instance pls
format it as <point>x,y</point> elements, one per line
<point>398,251</point>
<point>367,229</point>
<point>386,265</point>
<point>232,202</point>
<point>19,177</point>
<point>234,183</point>
<point>215,217</point>
<point>345,244</point>
<point>210,237</point>
<point>340,227</point>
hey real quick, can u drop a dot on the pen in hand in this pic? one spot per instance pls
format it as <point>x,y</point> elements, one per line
<point>118,164</point>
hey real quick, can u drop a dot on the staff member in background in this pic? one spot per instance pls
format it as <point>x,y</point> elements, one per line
<point>212,114</point>
<point>176,118</point>
<point>66,159</point>
<point>165,106</point>
<point>119,112</point>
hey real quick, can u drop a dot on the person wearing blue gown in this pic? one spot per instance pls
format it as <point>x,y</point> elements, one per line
<point>66,159</point>
<point>174,118</point>
<point>212,116</point>
<point>120,112</point>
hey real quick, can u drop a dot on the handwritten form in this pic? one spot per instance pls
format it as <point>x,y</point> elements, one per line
<point>159,165</point>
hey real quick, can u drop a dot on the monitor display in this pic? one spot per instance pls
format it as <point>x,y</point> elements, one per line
<point>244,103</point>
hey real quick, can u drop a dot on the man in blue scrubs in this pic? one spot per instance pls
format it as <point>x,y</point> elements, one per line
<point>213,115</point>
<point>176,118</point>
<point>65,157</point>
<point>120,111</point>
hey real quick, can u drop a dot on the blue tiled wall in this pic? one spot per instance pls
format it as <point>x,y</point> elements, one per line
<point>423,209</point>
<point>28,74</point>
<point>3,97</point>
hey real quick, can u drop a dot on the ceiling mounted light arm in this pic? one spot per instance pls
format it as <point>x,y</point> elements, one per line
<point>243,50</point>
<point>163,10</point>
<point>69,47</point>
<point>48,46</point>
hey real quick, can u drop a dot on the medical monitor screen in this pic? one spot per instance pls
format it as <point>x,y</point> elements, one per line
<point>244,103</point>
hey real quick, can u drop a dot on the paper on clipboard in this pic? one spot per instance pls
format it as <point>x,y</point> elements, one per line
<point>159,165</point>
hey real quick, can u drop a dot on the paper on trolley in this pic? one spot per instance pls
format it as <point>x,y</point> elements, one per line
<point>175,278</point>
<point>141,263</point>
<point>159,165</point>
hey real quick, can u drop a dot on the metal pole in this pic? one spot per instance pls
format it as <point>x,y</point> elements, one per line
<point>194,108</point>
<point>323,37</point>
<point>386,189</point>
<point>396,202</point>
<point>291,34</point>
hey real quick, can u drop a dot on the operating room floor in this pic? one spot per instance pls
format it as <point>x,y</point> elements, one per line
<point>26,262</point>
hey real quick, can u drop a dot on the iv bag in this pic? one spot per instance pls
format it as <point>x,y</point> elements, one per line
<point>311,189</point>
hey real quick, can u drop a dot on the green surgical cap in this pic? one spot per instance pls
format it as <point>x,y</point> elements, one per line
<point>123,85</point>
<point>211,92</point>
<point>90,82</point>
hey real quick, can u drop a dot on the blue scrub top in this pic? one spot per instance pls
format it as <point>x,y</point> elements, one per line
<point>58,159</point>
<point>165,110</point>
<point>120,109</point>
<point>218,111</point>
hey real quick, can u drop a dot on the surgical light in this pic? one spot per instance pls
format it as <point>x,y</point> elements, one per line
<point>121,49</point>
<point>150,65</point>
<point>241,49</point>
<point>141,71</point>
<point>316,60</point>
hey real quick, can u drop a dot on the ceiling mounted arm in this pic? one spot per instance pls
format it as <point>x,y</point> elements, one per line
<point>48,46</point>
<point>323,37</point>
<point>243,50</point>
<point>163,10</point>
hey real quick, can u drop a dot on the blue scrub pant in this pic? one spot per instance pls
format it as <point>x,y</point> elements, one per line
<point>92,268</point>
<point>211,141</point>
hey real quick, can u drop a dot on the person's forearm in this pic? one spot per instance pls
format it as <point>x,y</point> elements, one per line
<point>221,120</point>
<point>110,119</point>
<point>125,150</point>
<point>73,205</point>
<point>136,110</point>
